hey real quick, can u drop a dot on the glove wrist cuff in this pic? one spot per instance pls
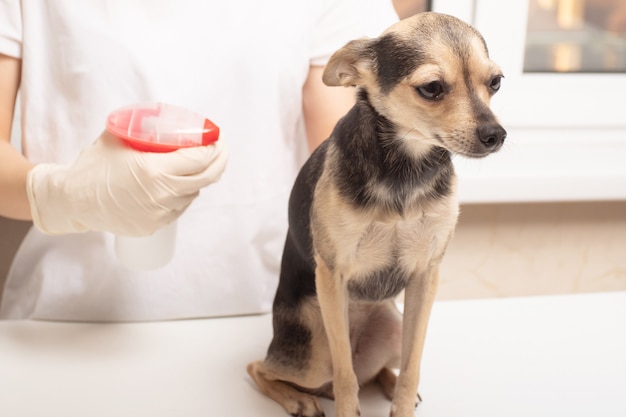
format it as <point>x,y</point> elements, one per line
<point>50,206</point>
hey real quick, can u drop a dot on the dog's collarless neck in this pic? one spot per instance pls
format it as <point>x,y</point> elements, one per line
<point>372,159</point>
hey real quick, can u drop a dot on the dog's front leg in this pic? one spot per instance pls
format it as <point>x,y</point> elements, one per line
<point>418,300</point>
<point>333,298</point>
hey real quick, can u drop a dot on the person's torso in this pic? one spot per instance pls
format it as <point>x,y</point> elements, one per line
<point>241,64</point>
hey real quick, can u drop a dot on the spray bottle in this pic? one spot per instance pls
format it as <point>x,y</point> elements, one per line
<point>156,127</point>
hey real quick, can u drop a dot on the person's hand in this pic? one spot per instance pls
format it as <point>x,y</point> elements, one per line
<point>116,189</point>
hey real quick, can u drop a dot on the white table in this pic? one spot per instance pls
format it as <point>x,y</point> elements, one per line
<point>541,356</point>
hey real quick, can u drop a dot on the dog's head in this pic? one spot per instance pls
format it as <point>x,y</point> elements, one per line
<point>431,76</point>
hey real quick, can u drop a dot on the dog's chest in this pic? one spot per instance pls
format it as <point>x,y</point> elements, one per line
<point>409,242</point>
<point>378,253</point>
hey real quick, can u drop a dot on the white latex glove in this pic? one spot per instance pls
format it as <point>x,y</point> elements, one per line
<point>113,188</point>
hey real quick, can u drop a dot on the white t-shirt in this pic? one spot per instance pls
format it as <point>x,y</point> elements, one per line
<point>240,63</point>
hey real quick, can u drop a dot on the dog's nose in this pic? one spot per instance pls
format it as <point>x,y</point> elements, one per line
<point>491,135</point>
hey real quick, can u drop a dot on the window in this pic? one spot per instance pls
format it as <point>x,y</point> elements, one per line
<point>576,36</point>
<point>563,101</point>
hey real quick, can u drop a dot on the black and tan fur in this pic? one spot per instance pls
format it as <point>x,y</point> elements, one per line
<point>371,213</point>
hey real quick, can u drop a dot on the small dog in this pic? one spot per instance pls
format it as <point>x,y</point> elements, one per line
<point>371,213</point>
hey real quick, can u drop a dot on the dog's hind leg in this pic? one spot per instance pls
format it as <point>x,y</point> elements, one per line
<point>376,334</point>
<point>294,401</point>
<point>297,366</point>
<point>419,298</point>
<point>387,381</point>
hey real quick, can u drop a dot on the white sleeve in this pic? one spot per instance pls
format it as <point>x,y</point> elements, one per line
<point>340,21</point>
<point>11,28</point>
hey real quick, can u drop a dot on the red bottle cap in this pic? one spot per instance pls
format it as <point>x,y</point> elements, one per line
<point>161,127</point>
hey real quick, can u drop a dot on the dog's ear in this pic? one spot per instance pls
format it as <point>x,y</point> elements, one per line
<point>348,65</point>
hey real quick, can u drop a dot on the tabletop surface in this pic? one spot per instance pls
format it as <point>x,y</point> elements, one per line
<point>535,356</point>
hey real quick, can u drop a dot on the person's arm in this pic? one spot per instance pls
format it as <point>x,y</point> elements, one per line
<point>13,166</point>
<point>126,192</point>
<point>323,106</point>
<point>406,8</point>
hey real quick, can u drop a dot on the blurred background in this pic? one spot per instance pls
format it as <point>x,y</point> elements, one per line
<point>547,214</point>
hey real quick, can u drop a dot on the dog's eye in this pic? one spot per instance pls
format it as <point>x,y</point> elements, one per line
<point>431,91</point>
<point>495,83</point>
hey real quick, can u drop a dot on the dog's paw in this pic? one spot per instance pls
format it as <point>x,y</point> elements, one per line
<point>398,411</point>
<point>347,409</point>
<point>304,406</point>
<point>351,413</point>
<point>387,380</point>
